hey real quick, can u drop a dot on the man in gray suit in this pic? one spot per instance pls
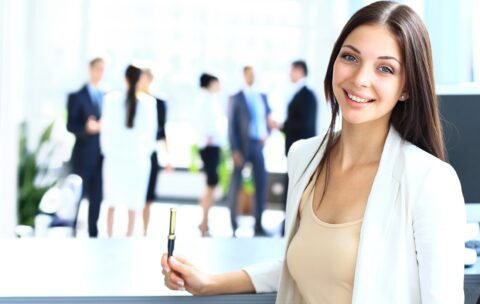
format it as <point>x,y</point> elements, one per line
<point>248,128</point>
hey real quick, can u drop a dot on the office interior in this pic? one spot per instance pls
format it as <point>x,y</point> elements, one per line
<point>44,51</point>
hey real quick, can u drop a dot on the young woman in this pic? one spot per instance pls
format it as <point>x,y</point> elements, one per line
<point>374,214</point>
<point>129,127</point>
<point>209,122</point>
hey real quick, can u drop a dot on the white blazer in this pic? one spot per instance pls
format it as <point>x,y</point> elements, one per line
<point>411,243</point>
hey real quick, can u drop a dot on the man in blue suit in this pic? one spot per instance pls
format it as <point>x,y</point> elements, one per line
<point>248,121</point>
<point>84,113</point>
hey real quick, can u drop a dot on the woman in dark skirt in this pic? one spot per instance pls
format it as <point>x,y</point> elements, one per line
<point>161,119</point>
<point>208,124</point>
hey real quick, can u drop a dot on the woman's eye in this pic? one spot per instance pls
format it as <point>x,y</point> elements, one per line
<point>385,69</point>
<point>349,57</point>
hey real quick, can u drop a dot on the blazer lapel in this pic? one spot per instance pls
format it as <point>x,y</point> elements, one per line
<point>92,108</point>
<point>378,216</point>
<point>298,185</point>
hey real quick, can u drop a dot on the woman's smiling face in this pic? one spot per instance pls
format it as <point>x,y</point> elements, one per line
<point>368,75</point>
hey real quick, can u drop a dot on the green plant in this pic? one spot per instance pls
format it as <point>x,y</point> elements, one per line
<point>30,194</point>
<point>224,170</point>
<point>195,159</point>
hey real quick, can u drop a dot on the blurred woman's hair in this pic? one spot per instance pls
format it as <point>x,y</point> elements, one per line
<point>132,74</point>
<point>206,80</point>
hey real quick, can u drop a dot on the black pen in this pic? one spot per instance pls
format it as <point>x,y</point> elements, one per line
<point>171,234</point>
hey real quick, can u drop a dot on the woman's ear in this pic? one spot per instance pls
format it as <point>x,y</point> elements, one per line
<point>403,97</point>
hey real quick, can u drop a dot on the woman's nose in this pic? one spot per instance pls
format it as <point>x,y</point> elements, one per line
<point>363,77</point>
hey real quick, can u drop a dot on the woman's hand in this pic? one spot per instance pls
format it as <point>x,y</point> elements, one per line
<point>183,275</point>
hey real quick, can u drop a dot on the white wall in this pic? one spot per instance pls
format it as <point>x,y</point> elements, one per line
<point>450,27</point>
<point>12,75</point>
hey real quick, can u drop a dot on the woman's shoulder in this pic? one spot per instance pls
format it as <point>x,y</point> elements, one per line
<point>302,152</point>
<point>302,146</point>
<point>113,96</point>
<point>419,161</point>
<point>113,101</point>
<point>146,98</point>
<point>429,178</point>
<point>432,187</point>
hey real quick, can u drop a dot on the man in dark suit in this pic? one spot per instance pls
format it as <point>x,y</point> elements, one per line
<point>84,113</point>
<point>301,114</point>
<point>248,128</point>
<point>302,110</point>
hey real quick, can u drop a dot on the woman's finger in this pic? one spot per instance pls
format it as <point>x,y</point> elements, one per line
<point>171,285</point>
<point>164,262</point>
<point>178,266</point>
<point>172,276</point>
<point>183,260</point>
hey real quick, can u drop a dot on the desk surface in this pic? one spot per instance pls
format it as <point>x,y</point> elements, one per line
<point>115,267</point>
<point>127,270</point>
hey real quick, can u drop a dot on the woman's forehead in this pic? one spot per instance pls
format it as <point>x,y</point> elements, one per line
<point>374,41</point>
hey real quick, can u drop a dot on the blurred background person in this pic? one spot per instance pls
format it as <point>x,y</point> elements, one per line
<point>248,128</point>
<point>144,86</point>
<point>84,112</point>
<point>209,121</point>
<point>301,118</point>
<point>128,140</point>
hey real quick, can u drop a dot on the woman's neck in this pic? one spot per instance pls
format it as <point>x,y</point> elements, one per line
<point>360,144</point>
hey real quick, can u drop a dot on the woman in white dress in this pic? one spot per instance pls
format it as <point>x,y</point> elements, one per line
<point>127,140</point>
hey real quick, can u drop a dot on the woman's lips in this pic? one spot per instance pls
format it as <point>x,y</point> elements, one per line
<point>358,103</point>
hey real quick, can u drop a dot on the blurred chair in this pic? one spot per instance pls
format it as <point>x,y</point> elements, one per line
<point>24,231</point>
<point>58,209</point>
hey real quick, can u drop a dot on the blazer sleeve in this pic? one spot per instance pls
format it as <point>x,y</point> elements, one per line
<point>152,123</point>
<point>268,110</point>
<point>75,116</point>
<point>161,118</point>
<point>438,221</point>
<point>265,276</point>
<point>233,132</point>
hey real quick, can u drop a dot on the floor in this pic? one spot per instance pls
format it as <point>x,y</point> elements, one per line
<point>188,219</point>
<point>180,190</point>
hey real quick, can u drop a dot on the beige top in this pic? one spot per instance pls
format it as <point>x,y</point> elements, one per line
<point>321,257</point>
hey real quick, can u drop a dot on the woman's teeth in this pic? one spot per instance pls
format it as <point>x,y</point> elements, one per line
<point>357,99</point>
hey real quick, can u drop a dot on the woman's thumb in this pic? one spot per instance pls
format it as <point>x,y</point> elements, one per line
<point>178,266</point>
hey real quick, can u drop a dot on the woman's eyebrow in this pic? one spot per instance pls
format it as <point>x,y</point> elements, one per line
<point>390,57</point>
<point>381,57</point>
<point>353,48</point>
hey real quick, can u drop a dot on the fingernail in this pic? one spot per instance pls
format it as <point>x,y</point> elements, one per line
<point>173,260</point>
<point>180,282</point>
<point>165,269</point>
